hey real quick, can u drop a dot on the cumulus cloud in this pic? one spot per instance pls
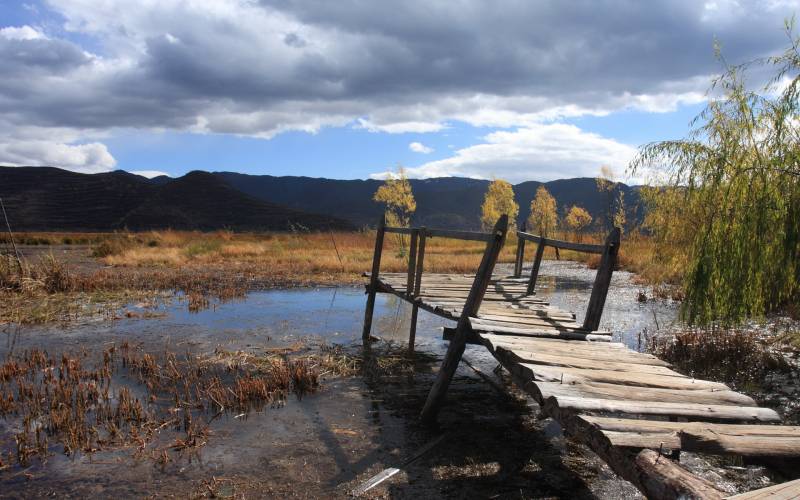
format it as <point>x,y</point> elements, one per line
<point>21,33</point>
<point>418,147</point>
<point>543,152</point>
<point>263,67</point>
<point>85,158</point>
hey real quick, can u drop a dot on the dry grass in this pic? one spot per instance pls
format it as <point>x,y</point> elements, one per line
<point>223,265</point>
<point>62,404</point>
<point>734,356</point>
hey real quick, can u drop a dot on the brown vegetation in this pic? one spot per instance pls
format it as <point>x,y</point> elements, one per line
<point>64,405</point>
<point>222,265</point>
<point>734,356</point>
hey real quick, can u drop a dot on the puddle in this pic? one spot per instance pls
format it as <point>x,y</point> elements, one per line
<point>328,442</point>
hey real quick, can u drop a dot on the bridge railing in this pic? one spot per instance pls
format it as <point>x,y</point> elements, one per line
<point>608,260</point>
<point>416,263</point>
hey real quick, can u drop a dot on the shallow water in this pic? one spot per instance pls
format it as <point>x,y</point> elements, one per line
<point>327,442</point>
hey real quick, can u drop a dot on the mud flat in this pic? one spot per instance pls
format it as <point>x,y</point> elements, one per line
<point>359,420</point>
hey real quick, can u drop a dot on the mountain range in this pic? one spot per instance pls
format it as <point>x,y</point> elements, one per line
<point>52,199</point>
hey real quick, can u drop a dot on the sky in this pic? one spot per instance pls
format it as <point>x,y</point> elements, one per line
<point>353,89</point>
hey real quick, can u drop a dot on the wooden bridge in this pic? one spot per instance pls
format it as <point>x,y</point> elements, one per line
<point>629,407</point>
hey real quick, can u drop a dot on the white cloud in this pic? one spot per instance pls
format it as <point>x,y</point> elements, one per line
<point>85,158</point>
<point>539,151</point>
<point>149,173</point>
<point>261,68</point>
<point>21,33</point>
<point>418,147</point>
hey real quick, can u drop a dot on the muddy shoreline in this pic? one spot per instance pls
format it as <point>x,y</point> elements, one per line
<point>328,443</point>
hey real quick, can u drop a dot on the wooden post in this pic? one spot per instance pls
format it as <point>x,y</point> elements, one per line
<point>520,252</point>
<point>602,281</point>
<point>473,303</point>
<point>537,262</point>
<point>412,262</point>
<point>412,333</point>
<point>373,278</point>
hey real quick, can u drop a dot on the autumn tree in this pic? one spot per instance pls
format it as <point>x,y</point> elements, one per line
<point>544,213</point>
<point>396,194</point>
<point>499,200</point>
<point>577,219</point>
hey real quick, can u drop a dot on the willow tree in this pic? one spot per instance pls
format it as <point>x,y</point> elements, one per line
<point>544,213</point>
<point>499,200</point>
<point>732,193</point>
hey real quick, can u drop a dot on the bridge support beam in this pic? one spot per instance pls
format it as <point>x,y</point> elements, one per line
<point>473,303</point>
<point>373,279</point>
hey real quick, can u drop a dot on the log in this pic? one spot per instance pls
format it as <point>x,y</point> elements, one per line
<point>660,477</point>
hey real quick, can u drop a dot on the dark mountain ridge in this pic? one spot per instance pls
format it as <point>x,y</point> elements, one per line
<point>445,201</point>
<point>46,198</point>
<point>51,199</point>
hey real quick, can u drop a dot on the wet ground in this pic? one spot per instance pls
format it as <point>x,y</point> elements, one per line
<point>328,443</point>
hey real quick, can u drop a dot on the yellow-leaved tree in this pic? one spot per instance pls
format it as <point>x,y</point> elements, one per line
<point>499,200</point>
<point>544,213</point>
<point>577,219</point>
<point>396,194</point>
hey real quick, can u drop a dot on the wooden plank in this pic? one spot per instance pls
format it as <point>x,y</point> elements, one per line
<point>533,331</point>
<point>522,342</point>
<point>587,363</point>
<point>633,378</point>
<point>600,390</point>
<point>684,410</point>
<point>534,322</point>
<point>706,441</point>
<point>784,491</point>
<point>602,356</point>
<point>661,426</point>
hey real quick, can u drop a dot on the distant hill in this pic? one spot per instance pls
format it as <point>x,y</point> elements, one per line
<point>446,201</point>
<point>44,198</point>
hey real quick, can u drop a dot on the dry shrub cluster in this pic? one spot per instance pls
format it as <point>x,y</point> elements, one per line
<point>60,404</point>
<point>734,356</point>
<point>48,275</point>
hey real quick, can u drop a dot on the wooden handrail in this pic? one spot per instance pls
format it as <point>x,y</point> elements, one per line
<point>443,233</point>
<point>564,245</point>
<point>608,260</point>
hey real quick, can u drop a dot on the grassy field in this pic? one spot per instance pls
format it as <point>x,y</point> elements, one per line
<point>65,274</point>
